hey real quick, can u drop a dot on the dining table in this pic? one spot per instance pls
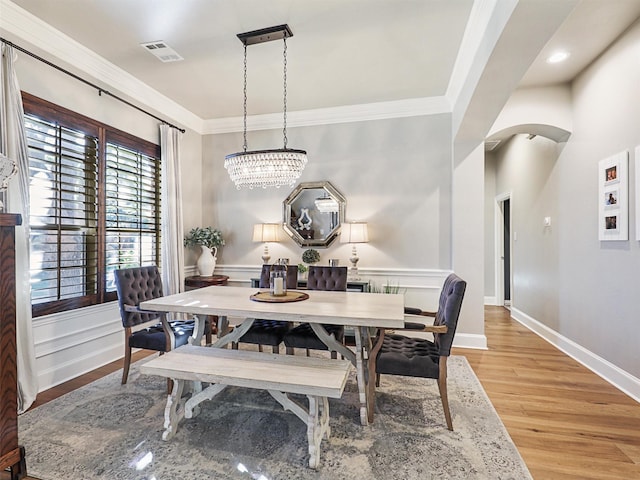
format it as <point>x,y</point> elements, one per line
<point>240,306</point>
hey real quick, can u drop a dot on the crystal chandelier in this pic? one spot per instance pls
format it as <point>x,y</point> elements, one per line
<point>265,168</point>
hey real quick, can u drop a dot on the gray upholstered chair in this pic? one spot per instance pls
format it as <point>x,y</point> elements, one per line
<point>303,336</point>
<point>270,332</point>
<point>415,357</point>
<point>135,285</point>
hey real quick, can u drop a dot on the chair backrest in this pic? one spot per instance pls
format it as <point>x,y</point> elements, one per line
<point>448,311</point>
<point>327,278</point>
<point>292,276</point>
<point>135,285</point>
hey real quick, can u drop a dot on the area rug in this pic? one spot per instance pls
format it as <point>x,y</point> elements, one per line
<point>109,431</point>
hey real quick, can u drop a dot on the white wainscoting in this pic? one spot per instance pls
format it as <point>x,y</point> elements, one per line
<point>617,377</point>
<point>72,343</point>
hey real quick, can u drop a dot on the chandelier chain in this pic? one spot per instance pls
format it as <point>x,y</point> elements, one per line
<point>284,130</point>
<point>270,167</point>
<point>245,99</point>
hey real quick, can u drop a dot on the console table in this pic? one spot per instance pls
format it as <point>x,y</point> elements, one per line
<point>205,281</point>
<point>12,455</point>
<point>352,285</point>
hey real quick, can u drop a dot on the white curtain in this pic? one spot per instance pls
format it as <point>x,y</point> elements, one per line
<point>13,143</point>
<point>172,224</point>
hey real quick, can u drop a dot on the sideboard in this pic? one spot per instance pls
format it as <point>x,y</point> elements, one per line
<point>12,455</point>
<point>352,285</point>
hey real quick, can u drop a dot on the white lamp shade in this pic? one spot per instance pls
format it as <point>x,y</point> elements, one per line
<point>355,232</point>
<point>266,232</point>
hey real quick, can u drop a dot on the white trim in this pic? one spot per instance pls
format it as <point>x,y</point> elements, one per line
<point>476,30</point>
<point>470,340</point>
<point>498,250</point>
<point>65,371</point>
<point>617,377</point>
<point>326,116</point>
<point>490,301</point>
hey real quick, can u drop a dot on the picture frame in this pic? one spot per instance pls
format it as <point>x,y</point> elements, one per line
<point>613,195</point>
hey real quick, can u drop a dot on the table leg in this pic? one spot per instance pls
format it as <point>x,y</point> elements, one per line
<point>358,359</point>
<point>331,342</point>
<point>174,411</point>
<point>361,374</point>
<point>234,336</point>
<point>198,329</point>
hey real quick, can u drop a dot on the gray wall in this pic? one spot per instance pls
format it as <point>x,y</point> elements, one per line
<point>564,277</point>
<point>526,168</point>
<point>395,175</point>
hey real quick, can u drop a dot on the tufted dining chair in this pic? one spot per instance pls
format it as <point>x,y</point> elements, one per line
<point>303,336</point>
<point>395,354</point>
<point>270,332</point>
<point>135,285</point>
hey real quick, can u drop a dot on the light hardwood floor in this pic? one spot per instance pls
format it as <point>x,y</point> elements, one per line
<point>567,422</point>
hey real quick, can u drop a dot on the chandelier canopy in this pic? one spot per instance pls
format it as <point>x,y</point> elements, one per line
<point>265,168</point>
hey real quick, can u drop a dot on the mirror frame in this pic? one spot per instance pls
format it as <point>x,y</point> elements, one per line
<point>294,234</point>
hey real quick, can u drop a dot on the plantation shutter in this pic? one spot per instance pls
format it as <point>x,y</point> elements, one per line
<point>63,212</point>
<point>132,209</point>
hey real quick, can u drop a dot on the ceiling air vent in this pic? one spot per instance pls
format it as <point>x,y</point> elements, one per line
<point>162,51</point>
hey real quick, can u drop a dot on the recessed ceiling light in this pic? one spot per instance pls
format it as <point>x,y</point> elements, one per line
<point>558,57</point>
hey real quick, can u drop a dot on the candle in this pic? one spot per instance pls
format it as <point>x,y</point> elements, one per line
<point>278,286</point>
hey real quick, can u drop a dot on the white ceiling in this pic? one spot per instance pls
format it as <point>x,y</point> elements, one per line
<point>343,52</point>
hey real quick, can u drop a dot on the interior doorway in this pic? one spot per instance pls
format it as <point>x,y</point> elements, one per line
<point>503,250</point>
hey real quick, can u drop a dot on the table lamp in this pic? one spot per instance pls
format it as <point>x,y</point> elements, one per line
<point>265,233</point>
<point>354,232</point>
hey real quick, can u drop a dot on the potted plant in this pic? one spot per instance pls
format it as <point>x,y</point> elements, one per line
<point>208,239</point>
<point>302,271</point>
<point>310,256</point>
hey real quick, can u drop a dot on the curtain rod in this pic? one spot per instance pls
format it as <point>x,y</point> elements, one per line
<point>100,90</point>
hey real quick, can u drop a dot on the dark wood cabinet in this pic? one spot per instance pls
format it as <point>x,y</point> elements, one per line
<point>11,454</point>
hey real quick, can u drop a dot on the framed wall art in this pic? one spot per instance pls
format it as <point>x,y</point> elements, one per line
<point>613,195</point>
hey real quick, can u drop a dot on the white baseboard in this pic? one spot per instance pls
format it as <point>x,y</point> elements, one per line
<point>617,377</point>
<point>490,301</point>
<point>470,340</point>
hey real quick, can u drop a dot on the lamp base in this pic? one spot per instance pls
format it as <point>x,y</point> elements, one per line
<point>353,271</point>
<point>265,255</point>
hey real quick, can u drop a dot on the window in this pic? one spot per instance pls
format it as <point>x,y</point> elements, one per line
<point>95,206</point>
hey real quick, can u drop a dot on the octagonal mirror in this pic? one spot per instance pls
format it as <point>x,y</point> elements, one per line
<point>313,214</point>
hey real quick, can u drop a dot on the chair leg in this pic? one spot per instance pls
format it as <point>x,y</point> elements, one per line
<point>442,386</point>
<point>334,355</point>
<point>289,350</point>
<point>127,363</point>
<point>308,353</point>
<point>377,379</point>
<point>260,348</point>
<point>207,335</point>
<point>276,349</point>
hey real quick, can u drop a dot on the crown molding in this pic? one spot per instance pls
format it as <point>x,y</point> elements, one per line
<point>325,116</point>
<point>31,29</point>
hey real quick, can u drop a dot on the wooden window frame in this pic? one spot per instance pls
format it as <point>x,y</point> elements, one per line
<point>106,134</point>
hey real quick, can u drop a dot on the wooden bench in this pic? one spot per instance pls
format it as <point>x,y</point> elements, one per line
<point>317,378</point>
